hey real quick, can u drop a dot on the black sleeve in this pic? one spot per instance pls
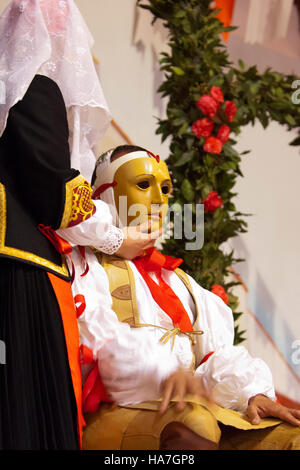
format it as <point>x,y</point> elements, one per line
<point>38,127</point>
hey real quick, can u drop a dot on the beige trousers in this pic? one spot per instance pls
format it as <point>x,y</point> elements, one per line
<point>136,428</point>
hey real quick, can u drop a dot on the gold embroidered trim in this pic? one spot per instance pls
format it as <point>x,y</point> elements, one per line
<point>121,288</point>
<point>135,309</point>
<point>70,186</point>
<point>122,292</point>
<point>78,205</point>
<point>82,204</point>
<point>15,252</point>
<point>184,278</point>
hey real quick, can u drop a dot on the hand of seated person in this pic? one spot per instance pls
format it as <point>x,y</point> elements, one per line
<point>261,406</point>
<point>180,384</point>
<point>137,239</point>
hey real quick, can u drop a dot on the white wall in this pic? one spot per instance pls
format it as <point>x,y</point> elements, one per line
<point>129,74</point>
<point>270,191</point>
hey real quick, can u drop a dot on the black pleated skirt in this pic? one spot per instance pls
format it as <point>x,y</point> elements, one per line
<point>37,402</point>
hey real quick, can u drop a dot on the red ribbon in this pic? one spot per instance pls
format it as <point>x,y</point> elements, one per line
<point>87,268</point>
<point>207,356</point>
<point>157,157</point>
<point>61,245</point>
<point>79,299</point>
<point>86,355</point>
<point>154,261</point>
<point>93,391</point>
<point>162,293</point>
<point>103,188</point>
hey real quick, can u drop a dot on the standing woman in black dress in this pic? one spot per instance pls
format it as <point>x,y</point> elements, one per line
<point>52,113</point>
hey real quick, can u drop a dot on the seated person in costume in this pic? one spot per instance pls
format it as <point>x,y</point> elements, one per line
<point>162,343</point>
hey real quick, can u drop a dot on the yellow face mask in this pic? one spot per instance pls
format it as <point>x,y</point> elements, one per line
<point>147,184</point>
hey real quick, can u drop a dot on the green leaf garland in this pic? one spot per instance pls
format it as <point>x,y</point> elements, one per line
<point>198,61</point>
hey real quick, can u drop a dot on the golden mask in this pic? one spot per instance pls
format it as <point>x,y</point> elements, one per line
<point>147,184</point>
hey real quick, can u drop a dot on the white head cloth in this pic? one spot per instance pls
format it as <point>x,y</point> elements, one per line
<point>50,37</point>
<point>105,171</point>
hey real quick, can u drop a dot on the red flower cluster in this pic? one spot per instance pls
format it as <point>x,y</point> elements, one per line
<point>220,292</point>
<point>212,201</point>
<point>213,145</point>
<point>202,127</point>
<point>217,94</point>
<point>230,110</point>
<point>209,105</point>
<point>223,133</point>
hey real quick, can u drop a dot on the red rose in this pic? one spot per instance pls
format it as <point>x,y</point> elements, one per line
<point>202,127</point>
<point>220,292</point>
<point>213,145</point>
<point>230,110</point>
<point>208,105</point>
<point>212,201</point>
<point>216,93</point>
<point>223,133</point>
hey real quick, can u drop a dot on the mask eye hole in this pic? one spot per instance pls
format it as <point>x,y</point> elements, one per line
<point>165,189</point>
<point>143,184</point>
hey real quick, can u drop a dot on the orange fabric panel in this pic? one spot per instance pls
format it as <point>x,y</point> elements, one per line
<point>65,300</point>
<point>226,13</point>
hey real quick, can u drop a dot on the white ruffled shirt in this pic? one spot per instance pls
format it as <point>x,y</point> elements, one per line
<point>133,362</point>
<point>97,231</point>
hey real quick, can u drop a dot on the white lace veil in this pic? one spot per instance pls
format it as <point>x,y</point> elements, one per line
<point>50,37</point>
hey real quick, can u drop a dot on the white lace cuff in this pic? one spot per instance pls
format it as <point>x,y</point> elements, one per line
<point>97,231</point>
<point>114,238</point>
